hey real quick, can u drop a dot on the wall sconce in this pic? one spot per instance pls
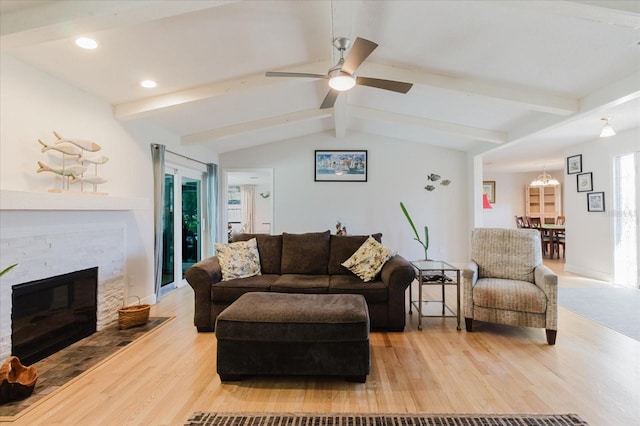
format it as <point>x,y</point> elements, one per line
<point>607,130</point>
<point>265,194</point>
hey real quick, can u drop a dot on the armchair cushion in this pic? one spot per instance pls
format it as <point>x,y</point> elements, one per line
<point>510,295</point>
<point>501,253</point>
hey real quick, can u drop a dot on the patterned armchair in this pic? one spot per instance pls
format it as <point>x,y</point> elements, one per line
<point>506,282</point>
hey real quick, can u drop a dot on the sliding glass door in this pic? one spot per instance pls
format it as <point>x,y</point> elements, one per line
<point>182,236</point>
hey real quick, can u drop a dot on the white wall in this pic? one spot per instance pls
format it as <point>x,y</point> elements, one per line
<point>397,171</point>
<point>590,234</point>
<point>33,104</point>
<point>510,196</point>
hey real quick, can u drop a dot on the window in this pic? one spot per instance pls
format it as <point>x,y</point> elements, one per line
<point>626,197</point>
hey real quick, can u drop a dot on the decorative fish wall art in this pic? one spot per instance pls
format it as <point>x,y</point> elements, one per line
<point>74,163</point>
<point>432,177</point>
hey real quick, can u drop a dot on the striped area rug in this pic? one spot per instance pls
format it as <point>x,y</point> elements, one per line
<point>288,419</point>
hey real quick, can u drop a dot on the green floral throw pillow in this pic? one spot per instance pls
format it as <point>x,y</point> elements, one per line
<point>368,260</point>
<point>239,259</point>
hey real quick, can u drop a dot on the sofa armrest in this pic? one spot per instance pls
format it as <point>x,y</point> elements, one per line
<point>469,278</point>
<point>201,277</point>
<point>397,273</point>
<point>547,280</point>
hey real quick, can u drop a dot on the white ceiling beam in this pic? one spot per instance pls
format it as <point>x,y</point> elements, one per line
<point>486,135</point>
<point>147,106</point>
<point>616,93</point>
<point>254,126</point>
<point>526,98</point>
<point>619,13</point>
<point>56,20</point>
<point>523,97</point>
<point>340,116</point>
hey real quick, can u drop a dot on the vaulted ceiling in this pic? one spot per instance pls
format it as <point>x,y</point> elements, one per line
<point>519,80</point>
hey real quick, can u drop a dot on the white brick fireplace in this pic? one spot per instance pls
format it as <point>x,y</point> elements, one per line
<point>46,243</point>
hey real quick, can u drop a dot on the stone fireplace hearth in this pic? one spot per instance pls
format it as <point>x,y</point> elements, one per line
<point>51,249</point>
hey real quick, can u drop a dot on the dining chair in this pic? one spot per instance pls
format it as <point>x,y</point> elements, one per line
<point>520,222</point>
<point>560,241</point>
<point>545,237</point>
<point>560,220</point>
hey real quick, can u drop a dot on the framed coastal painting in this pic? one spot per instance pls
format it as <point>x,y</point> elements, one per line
<point>595,201</point>
<point>585,182</point>
<point>574,164</point>
<point>489,188</point>
<point>341,166</point>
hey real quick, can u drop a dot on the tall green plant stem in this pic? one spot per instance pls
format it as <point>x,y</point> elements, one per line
<point>425,243</point>
<point>7,269</point>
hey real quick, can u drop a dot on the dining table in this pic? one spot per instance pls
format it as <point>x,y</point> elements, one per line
<point>553,231</point>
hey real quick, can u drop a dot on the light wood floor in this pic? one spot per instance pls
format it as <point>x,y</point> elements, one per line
<point>592,371</point>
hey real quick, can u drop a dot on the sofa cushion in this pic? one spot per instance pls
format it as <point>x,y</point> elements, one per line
<point>300,283</point>
<point>305,253</point>
<point>341,248</point>
<point>229,291</point>
<point>238,260</point>
<point>373,291</point>
<point>269,248</point>
<point>510,295</point>
<point>368,260</point>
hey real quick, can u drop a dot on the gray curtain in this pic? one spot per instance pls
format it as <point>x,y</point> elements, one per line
<point>210,214</point>
<point>157,156</point>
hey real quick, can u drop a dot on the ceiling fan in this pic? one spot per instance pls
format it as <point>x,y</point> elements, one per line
<point>342,76</point>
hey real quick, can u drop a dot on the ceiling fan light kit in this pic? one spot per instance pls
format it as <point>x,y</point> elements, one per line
<point>341,81</point>
<point>342,76</point>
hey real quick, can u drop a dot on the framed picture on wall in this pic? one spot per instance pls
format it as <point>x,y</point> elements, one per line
<point>341,166</point>
<point>489,188</point>
<point>585,182</point>
<point>595,201</point>
<point>574,164</point>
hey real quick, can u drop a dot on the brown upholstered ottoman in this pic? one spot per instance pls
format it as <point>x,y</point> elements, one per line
<point>294,334</point>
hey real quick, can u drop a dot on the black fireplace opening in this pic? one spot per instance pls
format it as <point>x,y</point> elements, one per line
<point>50,314</point>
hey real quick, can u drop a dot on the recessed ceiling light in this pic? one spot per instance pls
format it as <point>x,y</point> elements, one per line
<point>86,43</point>
<point>149,84</point>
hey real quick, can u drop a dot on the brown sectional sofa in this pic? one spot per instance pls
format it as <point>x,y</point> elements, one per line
<point>304,263</point>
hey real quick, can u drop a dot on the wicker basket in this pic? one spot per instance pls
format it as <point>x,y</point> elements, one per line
<point>134,315</point>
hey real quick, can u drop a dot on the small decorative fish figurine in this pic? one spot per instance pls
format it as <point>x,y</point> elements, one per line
<point>74,170</point>
<point>100,159</point>
<point>65,149</point>
<point>88,179</point>
<point>86,145</point>
<point>433,177</point>
<point>445,182</point>
<point>429,187</point>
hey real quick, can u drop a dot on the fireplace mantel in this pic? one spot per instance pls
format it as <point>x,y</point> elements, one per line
<point>24,200</point>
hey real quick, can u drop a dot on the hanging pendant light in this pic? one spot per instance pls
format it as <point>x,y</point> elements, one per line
<point>545,179</point>
<point>607,130</point>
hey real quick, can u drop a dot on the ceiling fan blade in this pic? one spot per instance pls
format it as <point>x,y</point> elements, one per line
<point>394,86</point>
<point>361,49</point>
<point>330,99</point>
<point>294,74</point>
